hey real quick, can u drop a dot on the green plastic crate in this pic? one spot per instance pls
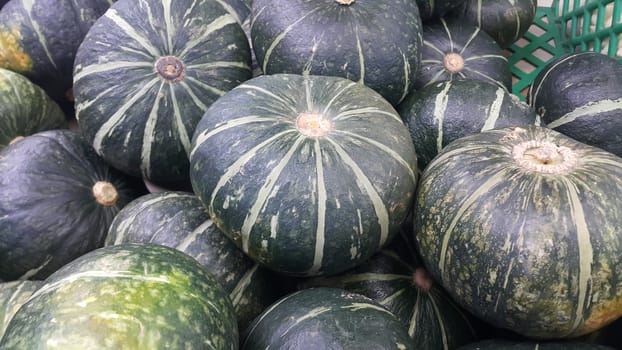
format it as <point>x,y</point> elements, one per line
<point>567,26</point>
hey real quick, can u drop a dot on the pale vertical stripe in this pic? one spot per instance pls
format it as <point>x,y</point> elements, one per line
<point>308,94</point>
<point>119,115</point>
<point>231,10</point>
<point>479,13</point>
<point>150,132</point>
<point>238,291</point>
<point>586,253</point>
<point>108,66</point>
<point>476,31</point>
<point>195,99</point>
<point>131,32</point>
<point>7,302</point>
<point>494,111</point>
<point>493,180</point>
<point>205,135</point>
<point>264,193</point>
<point>406,76</point>
<point>169,25</point>
<point>590,109</point>
<point>154,24</point>
<point>364,110</point>
<point>335,96</point>
<point>396,156</point>
<point>517,32</point>
<point>28,5</point>
<point>215,25</point>
<point>321,210</point>
<point>412,324</point>
<point>506,280</point>
<point>192,237</point>
<point>184,135</point>
<point>359,49</point>
<point>440,106</point>
<point>366,185</point>
<point>534,90</point>
<point>439,320</point>
<point>449,37</point>
<point>282,35</point>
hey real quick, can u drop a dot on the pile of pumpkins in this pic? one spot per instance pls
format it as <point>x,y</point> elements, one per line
<point>326,174</point>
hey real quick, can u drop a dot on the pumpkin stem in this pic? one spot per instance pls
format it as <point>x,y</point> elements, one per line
<point>422,280</point>
<point>544,156</point>
<point>16,139</point>
<point>453,62</point>
<point>313,124</point>
<point>170,68</point>
<point>345,2</point>
<point>105,193</point>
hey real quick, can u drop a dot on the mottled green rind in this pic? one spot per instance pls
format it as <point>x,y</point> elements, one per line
<point>299,204</point>
<point>50,32</point>
<point>443,112</point>
<point>483,58</point>
<point>49,214</point>
<point>12,296</point>
<point>179,220</point>
<point>129,296</point>
<point>504,20</point>
<point>373,42</point>
<point>138,121</point>
<point>499,344</point>
<point>25,108</point>
<point>533,252</point>
<point>433,320</point>
<point>326,318</point>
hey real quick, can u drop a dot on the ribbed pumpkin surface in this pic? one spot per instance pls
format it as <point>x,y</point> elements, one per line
<point>145,74</point>
<point>522,226</point>
<point>308,175</point>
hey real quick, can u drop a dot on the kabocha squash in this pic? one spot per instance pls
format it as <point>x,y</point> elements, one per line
<point>504,20</point>
<point>376,43</point>
<point>39,39</point>
<point>454,50</point>
<point>442,112</point>
<point>145,74</point>
<point>306,174</point>
<point>25,108</point>
<point>580,95</point>
<point>501,344</point>
<point>326,318</point>
<point>395,279</point>
<point>434,9</point>
<point>179,220</point>
<point>129,296</point>
<point>522,227</point>
<point>58,199</point>
<point>12,296</point>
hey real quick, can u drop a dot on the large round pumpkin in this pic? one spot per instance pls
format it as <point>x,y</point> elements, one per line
<point>58,199</point>
<point>307,174</point>
<point>523,226</point>
<point>374,42</point>
<point>145,74</point>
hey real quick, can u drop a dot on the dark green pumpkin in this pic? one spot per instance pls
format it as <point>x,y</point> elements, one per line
<point>326,318</point>
<point>434,9</point>
<point>522,226</point>
<point>325,181</point>
<point>443,112</point>
<point>500,344</point>
<point>179,220</point>
<point>397,280</point>
<point>504,20</point>
<point>12,296</point>
<point>580,95</point>
<point>376,43</point>
<point>455,50</point>
<point>58,199</point>
<point>129,296</point>
<point>145,74</point>
<point>39,39</point>
<point>25,108</point>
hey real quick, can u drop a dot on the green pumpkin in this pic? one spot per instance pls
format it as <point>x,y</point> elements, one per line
<point>128,296</point>
<point>522,226</point>
<point>138,102</point>
<point>12,296</point>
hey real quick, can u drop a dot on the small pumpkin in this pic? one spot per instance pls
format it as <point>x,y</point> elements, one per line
<point>58,200</point>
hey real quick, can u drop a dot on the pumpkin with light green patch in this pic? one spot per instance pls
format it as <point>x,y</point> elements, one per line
<point>326,318</point>
<point>522,226</point>
<point>41,43</point>
<point>308,175</point>
<point>25,108</point>
<point>146,73</point>
<point>12,296</point>
<point>128,296</point>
